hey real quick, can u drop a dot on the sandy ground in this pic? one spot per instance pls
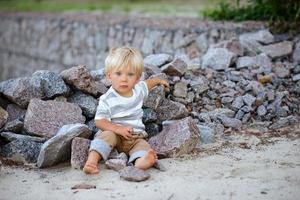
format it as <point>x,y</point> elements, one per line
<point>260,172</point>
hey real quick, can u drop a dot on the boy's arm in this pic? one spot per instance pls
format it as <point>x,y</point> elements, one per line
<point>151,83</point>
<point>106,125</point>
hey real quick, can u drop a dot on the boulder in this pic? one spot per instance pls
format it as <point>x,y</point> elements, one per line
<point>80,150</point>
<point>80,78</point>
<point>22,151</point>
<point>45,118</point>
<point>176,139</point>
<point>58,148</point>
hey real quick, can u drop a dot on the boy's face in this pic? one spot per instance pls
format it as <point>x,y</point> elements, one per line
<point>123,80</point>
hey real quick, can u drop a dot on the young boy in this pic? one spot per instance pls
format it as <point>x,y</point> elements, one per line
<point>119,113</point>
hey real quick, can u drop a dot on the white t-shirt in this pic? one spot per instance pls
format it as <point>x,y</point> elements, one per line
<point>121,110</point>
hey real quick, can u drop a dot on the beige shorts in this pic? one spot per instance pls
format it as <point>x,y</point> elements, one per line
<point>105,141</point>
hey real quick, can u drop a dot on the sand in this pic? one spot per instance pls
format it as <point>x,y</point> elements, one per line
<point>240,170</point>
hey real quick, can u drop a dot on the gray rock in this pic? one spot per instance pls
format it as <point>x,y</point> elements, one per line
<point>176,139</point>
<point>246,117</point>
<point>218,58</point>
<point>237,103</point>
<point>263,36</point>
<point>260,60</point>
<point>22,151</point>
<point>180,90</point>
<point>221,111</point>
<point>80,78</point>
<point>281,71</point>
<point>296,54</point>
<point>296,77</point>
<point>149,115</point>
<point>175,68</point>
<point>155,97</point>
<point>278,50</point>
<point>284,121</point>
<point>79,153</point>
<point>170,110</point>
<point>134,174</point>
<point>246,109</point>
<point>10,136</point>
<point>239,115</point>
<point>21,90</point>
<point>3,117</point>
<point>58,148</point>
<point>45,118</point>
<point>87,103</point>
<point>249,99</point>
<point>15,112</point>
<point>92,126</point>
<point>230,122</point>
<point>207,134</point>
<point>152,129</point>
<point>261,110</point>
<point>157,60</point>
<point>15,126</point>
<point>232,45</point>
<point>52,85</point>
<point>226,100</point>
<point>115,164</point>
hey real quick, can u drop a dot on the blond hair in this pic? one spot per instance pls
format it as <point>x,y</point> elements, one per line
<point>122,57</point>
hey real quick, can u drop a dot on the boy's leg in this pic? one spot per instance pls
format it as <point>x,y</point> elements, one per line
<point>100,148</point>
<point>143,155</point>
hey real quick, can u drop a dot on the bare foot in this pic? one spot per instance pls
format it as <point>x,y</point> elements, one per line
<point>90,168</point>
<point>147,160</point>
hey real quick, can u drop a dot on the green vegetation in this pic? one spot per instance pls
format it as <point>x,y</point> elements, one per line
<point>158,7</point>
<point>282,15</point>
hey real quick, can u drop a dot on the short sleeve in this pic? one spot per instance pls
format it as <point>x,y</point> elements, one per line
<point>143,88</point>
<point>103,111</point>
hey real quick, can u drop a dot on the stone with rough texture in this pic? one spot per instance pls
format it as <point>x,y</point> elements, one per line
<point>230,122</point>
<point>15,112</point>
<point>11,136</point>
<point>278,50</point>
<point>45,118</point>
<point>79,153</point>
<point>180,90</point>
<point>21,90</point>
<point>3,117</point>
<point>207,134</point>
<point>134,174</point>
<point>232,45</point>
<point>170,110</point>
<point>58,148</point>
<point>155,97</point>
<point>22,151</point>
<point>218,58</point>
<point>87,103</point>
<point>296,54</point>
<point>176,139</point>
<point>263,36</point>
<point>80,78</point>
<point>157,60</point>
<point>52,84</point>
<point>253,62</point>
<point>115,164</point>
<point>175,68</point>
<point>15,126</point>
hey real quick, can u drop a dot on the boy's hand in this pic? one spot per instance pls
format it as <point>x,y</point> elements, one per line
<point>124,131</point>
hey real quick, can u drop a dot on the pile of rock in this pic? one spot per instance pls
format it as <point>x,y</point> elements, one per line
<point>250,81</point>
